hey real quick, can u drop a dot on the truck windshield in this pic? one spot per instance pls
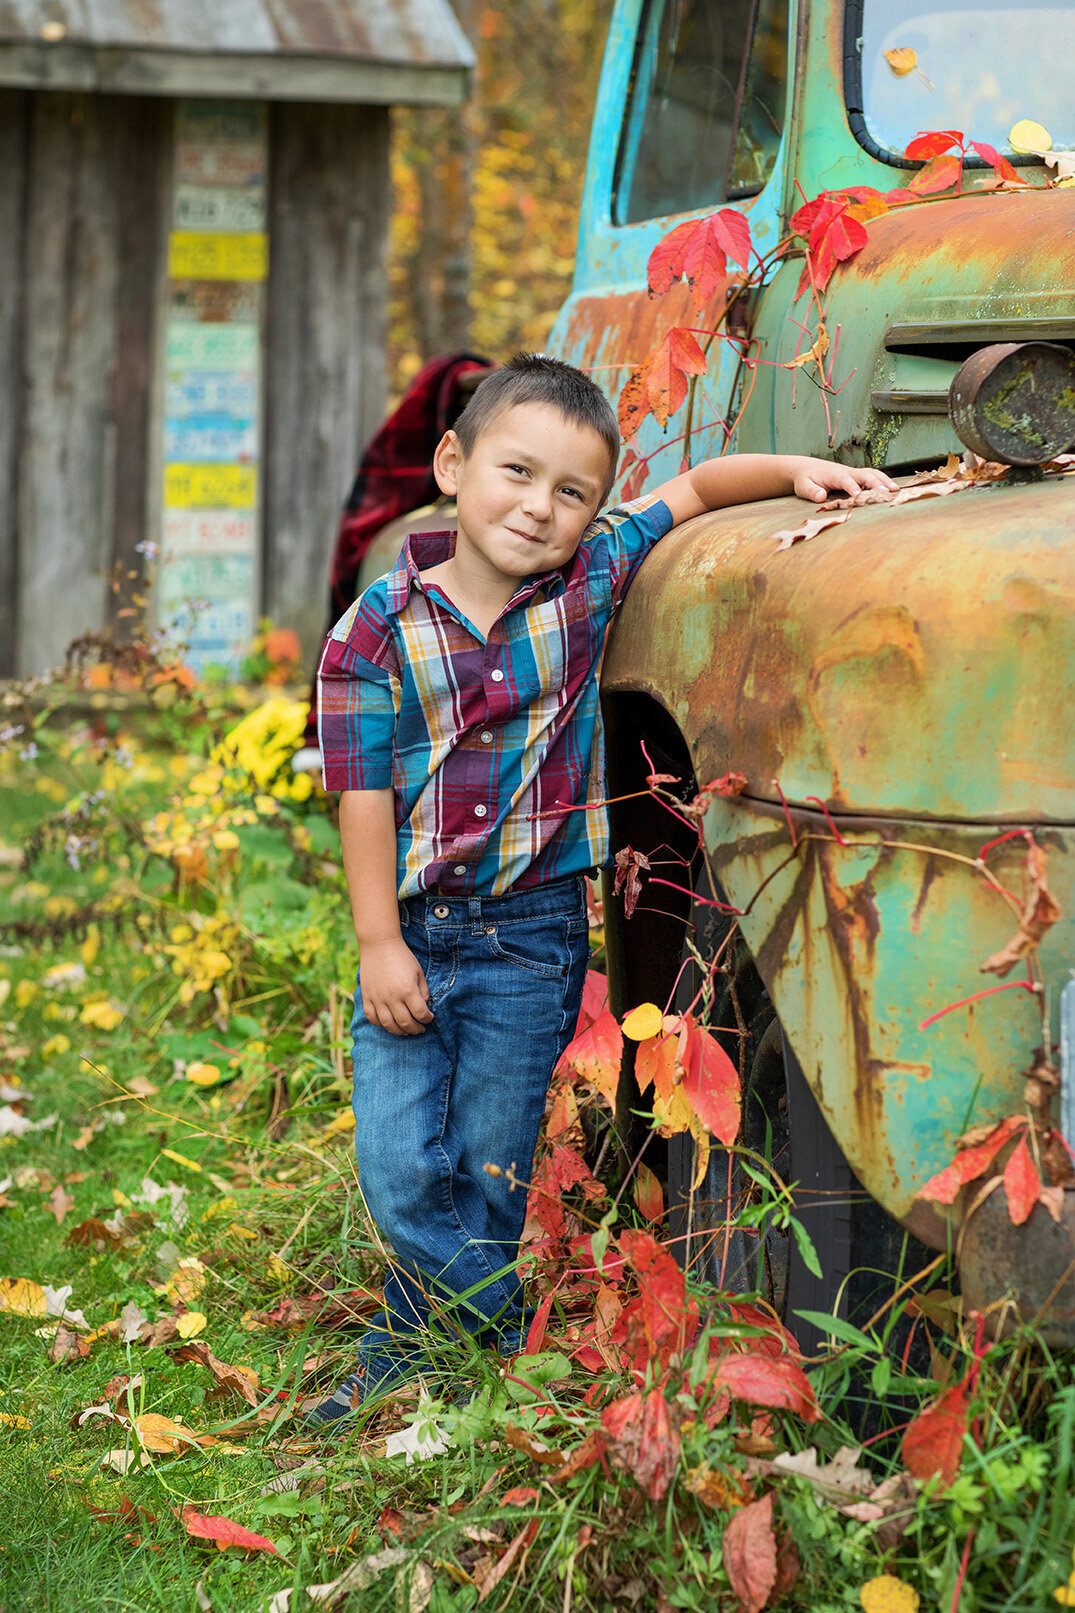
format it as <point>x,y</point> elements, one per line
<point>979,68</point>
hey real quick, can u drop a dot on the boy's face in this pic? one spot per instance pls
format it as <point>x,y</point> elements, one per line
<point>527,491</point>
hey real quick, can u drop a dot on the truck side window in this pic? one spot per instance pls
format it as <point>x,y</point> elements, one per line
<point>682,147</point>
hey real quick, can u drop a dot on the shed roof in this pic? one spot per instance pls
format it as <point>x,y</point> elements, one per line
<point>293,50</point>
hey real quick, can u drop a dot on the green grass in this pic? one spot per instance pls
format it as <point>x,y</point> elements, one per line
<point>272,1211</point>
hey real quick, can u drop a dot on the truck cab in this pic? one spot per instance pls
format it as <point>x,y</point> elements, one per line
<point>894,689</point>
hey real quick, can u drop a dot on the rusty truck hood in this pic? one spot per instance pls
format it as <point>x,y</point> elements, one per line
<point>914,661</point>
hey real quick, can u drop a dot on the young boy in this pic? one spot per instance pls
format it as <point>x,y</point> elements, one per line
<point>460,720</point>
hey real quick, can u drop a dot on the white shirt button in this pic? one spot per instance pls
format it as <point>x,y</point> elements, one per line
<point>460,868</point>
<point>487,738</point>
<point>480,811</point>
<point>496,675</point>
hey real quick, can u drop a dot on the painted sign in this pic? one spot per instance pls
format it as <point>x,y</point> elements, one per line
<point>231,207</point>
<point>217,255</point>
<point>211,430</point>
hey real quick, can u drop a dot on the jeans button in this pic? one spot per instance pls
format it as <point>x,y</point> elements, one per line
<point>440,911</point>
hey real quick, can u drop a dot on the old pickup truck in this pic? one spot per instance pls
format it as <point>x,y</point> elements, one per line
<point>894,691</point>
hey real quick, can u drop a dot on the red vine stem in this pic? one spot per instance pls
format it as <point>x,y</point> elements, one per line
<point>990,991</point>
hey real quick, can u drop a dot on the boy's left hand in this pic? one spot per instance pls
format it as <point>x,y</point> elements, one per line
<point>815,479</point>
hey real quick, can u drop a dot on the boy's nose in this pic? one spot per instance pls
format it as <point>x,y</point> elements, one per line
<point>537,502</point>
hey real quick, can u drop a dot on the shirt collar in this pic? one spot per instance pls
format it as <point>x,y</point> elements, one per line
<point>424,549</point>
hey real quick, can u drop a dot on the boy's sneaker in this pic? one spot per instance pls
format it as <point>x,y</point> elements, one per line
<point>340,1403</point>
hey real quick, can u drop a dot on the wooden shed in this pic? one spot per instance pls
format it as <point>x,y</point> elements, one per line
<point>194,204</point>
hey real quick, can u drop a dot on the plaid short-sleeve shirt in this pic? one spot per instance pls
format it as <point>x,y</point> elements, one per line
<point>494,746</point>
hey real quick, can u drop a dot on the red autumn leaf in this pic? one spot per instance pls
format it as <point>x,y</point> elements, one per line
<point>655,1064</point>
<point>940,174</point>
<point>727,784</point>
<point>710,1082</point>
<point>125,1511</point>
<point>629,866</point>
<point>765,1380</point>
<point>520,1496</point>
<point>699,249</point>
<point>749,1549</point>
<point>1022,1184</point>
<point>645,1440</point>
<point>634,405</point>
<point>661,1320</point>
<point>391,1522</point>
<point>933,1444</point>
<point>834,237</point>
<point>648,1194</point>
<point>591,1451</point>
<point>634,483</point>
<point>900,197</point>
<point>667,366</point>
<point>596,1055</point>
<point>931,142</point>
<point>222,1531</point>
<point>1001,166</point>
<point>776,1340</point>
<point>535,1336</point>
<point>594,1000</point>
<point>969,1163</point>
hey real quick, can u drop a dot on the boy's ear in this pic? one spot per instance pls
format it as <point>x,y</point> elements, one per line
<point>446,462</point>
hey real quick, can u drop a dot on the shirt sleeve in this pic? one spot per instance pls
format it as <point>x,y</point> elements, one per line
<point>627,533</point>
<point>358,702</point>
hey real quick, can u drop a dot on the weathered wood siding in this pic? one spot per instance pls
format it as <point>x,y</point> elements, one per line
<point>14,121</point>
<point>325,370</point>
<point>75,329</point>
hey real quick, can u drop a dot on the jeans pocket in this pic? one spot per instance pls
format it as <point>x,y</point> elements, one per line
<point>537,945</point>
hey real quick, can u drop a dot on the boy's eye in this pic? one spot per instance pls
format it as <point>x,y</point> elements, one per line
<point>520,470</point>
<point>573,492</point>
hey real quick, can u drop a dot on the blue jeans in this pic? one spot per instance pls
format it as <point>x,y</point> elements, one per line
<point>505,975</point>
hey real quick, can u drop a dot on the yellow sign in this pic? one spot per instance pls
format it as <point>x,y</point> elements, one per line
<point>210,487</point>
<point>215,255</point>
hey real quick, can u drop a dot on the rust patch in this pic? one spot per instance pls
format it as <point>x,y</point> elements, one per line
<point>929,873</point>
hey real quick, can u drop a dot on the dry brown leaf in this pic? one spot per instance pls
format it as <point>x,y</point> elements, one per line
<point>520,1440</point>
<point>1040,912</point>
<point>809,529</point>
<point>241,1381</point>
<point>67,1346</point>
<point>814,354</point>
<point>60,1202</point>
<point>908,495</point>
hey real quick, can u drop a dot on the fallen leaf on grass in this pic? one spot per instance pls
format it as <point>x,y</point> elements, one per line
<point>190,1324</point>
<point>67,1346</point>
<point>520,1496</point>
<point>11,1419</point>
<point>644,1440</point>
<point>933,1444</point>
<point>521,1544</point>
<point>221,1531</point>
<point>12,1124</point>
<point>520,1440</point>
<point>121,1461</point>
<point>887,1594</point>
<point>60,1202</point>
<point>359,1577</point>
<point>124,1512</point>
<point>808,529</point>
<point>19,1296</point>
<point>720,1492</point>
<point>749,1551</point>
<point>416,1443</point>
<point>767,1381</point>
<point>241,1381</point>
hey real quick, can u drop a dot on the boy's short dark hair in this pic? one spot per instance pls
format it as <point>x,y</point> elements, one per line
<point>536,378</point>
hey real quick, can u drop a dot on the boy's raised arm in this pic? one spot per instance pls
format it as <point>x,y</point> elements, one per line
<point>394,991</point>
<point>741,478</point>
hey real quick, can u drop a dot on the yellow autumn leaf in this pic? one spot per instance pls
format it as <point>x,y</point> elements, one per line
<point>187,1280</point>
<point>238,1231</point>
<point>55,1045</point>
<point>902,60</point>
<point>21,1297</point>
<point>190,1324</point>
<point>181,1159</point>
<point>91,945</point>
<point>203,1075</point>
<point>223,1206</point>
<point>25,992</point>
<point>643,1022</point>
<point>344,1121</point>
<point>161,1434</point>
<point>226,840</point>
<point>105,1016</point>
<point>887,1594</point>
<point>1028,136</point>
<point>12,1420</point>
